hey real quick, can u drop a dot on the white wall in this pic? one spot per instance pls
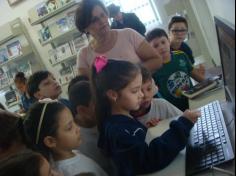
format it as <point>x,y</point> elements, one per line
<point>223,8</point>
<point>205,10</point>
<point>19,10</point>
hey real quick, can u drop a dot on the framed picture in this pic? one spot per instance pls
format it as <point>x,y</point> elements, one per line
<point>13,2</point>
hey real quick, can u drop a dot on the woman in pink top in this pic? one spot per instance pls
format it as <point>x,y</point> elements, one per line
<point>92,18</point>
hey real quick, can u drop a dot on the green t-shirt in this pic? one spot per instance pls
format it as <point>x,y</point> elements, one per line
<point>173,78</point>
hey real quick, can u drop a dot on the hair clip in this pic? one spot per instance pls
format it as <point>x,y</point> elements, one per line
<point>100,63</point>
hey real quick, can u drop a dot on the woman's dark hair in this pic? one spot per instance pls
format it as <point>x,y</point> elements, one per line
<point>9,129</point>
<point>49,125</point>
<point>20,78</point>
<point>177,19</point>
<point>35,80</point>
<point>116,75</point>
<point>25,163</point>
<point>156,33</point>
<point>83,13</point>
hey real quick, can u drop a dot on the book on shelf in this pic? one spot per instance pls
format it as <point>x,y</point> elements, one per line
<point>4,80</point>
<point>3,55</point>
<point>53,56</point>
<point>25,67</point>
<point>41,9</point>
<point>66,74</point>
<point>63,51</point>
<point>14,49</point>
<point>11,97</point>
<point>75,69</point>
<point>45,34</point>
<point>63,25</point>
<point>51,5</point>
<point>78,43</point>
<point>63,2</point>
<point>71,19</point>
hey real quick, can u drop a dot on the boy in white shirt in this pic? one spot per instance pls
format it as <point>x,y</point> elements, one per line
<point>152,110</point>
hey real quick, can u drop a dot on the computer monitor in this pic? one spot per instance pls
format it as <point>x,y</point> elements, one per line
<point>226,40</point>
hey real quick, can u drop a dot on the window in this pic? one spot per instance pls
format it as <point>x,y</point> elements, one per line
<point>144,9</point>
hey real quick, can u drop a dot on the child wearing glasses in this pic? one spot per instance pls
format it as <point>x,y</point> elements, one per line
<point>178,29</point>
<point>51,130</point>
<point>174,76</point>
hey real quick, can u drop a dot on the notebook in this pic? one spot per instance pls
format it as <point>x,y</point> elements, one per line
<point>200,88</point>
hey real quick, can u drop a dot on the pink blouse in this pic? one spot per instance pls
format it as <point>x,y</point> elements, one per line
<point>125,48</point>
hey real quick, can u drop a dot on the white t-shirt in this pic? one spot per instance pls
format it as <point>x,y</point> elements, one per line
<point>160,109</point>
<point>89,148</point>
<point>79,164</point>
<point>125,48</point>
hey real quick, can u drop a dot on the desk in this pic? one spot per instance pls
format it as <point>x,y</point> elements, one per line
<point>177,167</point>
<point>206,98</point>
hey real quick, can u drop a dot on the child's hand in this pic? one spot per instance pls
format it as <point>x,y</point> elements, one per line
<point>192,115</point>
<point>153,122</point>
<point>202,70</point>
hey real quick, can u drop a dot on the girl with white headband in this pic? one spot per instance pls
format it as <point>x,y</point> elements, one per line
<point>51,130</point>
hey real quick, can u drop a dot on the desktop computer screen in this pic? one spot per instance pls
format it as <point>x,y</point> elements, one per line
<point>226,40</point>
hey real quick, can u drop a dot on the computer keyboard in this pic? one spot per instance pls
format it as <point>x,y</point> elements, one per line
<point>209,142</point>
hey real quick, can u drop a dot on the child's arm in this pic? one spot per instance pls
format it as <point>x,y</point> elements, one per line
<point>196,75</point>
<point>133,153</point>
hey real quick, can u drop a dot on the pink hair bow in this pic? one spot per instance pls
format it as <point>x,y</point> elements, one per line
<point>100,63</point>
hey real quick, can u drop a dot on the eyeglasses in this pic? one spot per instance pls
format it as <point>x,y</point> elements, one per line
<point>179,31</point>
<point>97,19</point>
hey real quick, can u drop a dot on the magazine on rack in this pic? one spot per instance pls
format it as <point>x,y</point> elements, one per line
<point>62,25</point>
<point>51,5</point>
<point>63,2</point>
<point>63,51</point>
<point>42,9</point>
<point>45,34</point>
<point>14,49</point>
<point>78,43</point>
<point>52,56</point>
<point>71,19</point>
<point>3,55</point>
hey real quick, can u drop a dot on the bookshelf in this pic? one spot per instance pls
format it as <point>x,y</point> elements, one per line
<point>36,19</point>
<point>59,36</point>
<point>17,54</point>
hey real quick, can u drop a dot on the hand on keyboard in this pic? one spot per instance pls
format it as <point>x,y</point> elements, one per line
<point>192,115</point>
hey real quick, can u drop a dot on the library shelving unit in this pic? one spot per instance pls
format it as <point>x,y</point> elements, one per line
<point>58,30</point>
<point>17,54</point>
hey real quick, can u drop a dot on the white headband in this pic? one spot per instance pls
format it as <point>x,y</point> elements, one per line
<point>45,101</point>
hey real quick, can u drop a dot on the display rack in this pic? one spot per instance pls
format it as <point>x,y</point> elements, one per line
<point>17,54</point>
<point>58,30</point>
